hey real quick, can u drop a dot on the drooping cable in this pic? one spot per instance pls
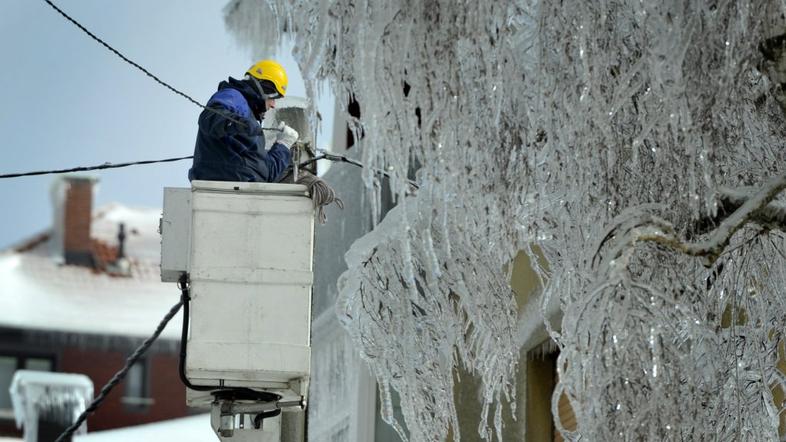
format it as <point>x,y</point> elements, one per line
<point>118,377</point>
<point>217,390</point>
<point>148,73</point>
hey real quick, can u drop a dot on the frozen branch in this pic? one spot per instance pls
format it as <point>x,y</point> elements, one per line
<point>530,121</point>
<point>738,208</point>
<point>772,215</point>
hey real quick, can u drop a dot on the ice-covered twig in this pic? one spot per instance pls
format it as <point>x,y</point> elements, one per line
<point>772,215</point>
<point>747,208</point>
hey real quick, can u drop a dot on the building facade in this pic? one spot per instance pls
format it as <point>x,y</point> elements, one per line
<point>80,297</point>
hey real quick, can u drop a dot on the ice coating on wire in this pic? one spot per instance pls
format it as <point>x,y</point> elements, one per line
<point>601,132</point>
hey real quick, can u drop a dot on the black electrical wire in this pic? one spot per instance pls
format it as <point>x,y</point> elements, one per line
<point>99,167</point>
<point>235,393</point>
<point>185,298</point>
<point>148,73</point>
<point>342,159</point>
<point>328,156</point>
<point>118,377</point>
<point>323,156</point>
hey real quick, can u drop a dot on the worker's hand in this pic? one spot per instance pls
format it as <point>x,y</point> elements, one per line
<point>287,136</point>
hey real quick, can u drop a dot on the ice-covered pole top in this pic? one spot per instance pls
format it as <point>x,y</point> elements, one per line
<point>58,396</point>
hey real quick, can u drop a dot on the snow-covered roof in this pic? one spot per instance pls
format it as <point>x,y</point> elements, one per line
<point>37,292</point>
<point>193,429</point>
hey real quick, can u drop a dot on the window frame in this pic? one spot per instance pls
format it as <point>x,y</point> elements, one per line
<point>143,401</point>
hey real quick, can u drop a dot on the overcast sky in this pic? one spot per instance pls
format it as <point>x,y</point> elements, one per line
<point>67,101</point>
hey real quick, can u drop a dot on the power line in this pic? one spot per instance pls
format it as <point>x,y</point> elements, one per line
<point>148,73</point>
<point>325,155</point>
<point>106,165</point>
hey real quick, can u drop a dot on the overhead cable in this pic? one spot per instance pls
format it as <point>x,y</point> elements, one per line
<point>87,168</point>
<point>148,73</point>
<point>107,165</point>
<point>326,155</point>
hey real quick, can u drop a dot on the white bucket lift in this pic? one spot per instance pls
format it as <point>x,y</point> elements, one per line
<point>248,250</point>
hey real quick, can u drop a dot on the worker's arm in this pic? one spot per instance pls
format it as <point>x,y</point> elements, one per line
<point>219,122</point>
<point>269,164</point>
<point>279,156</point>
<point>278,159</point>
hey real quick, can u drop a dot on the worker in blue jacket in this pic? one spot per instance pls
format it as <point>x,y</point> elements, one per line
<point>230,145</point>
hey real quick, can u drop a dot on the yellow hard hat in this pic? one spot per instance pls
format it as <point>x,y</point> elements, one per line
<point>271,71</point>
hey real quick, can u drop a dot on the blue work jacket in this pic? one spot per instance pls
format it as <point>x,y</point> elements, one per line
<point>228,151</point>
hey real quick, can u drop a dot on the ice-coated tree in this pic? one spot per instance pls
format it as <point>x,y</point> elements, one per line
<point>639,145</point>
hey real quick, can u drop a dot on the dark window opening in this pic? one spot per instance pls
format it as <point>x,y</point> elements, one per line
<point>407,88</point>
<point>137,392</point>
<point>354,111</point>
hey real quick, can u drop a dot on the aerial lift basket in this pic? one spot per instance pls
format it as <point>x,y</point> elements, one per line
<point>248,251</point>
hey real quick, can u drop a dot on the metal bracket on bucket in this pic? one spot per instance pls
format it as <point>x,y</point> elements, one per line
<point>241,420</point>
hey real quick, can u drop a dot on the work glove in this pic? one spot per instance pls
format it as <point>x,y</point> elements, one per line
<point>287,136</point>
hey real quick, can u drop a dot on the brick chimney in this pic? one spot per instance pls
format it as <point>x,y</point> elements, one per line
<point>73,207</point>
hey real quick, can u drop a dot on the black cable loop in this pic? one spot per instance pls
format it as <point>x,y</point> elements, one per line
<point>218,391</point>
<point>120,375</point>
<point>148,73</point>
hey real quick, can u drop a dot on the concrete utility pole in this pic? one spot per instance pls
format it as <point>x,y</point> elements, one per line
<point>293,426</point>
<point>293,423</point>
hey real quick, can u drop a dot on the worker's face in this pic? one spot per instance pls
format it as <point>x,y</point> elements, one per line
<point>270,103</point>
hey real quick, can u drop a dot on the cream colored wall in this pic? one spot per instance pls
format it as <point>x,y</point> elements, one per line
<point>535,379</point>
<point>539,385</point>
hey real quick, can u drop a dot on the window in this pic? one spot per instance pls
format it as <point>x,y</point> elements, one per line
<point>7,369</point>
<point>541,379</point>
<point>136,394</point>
